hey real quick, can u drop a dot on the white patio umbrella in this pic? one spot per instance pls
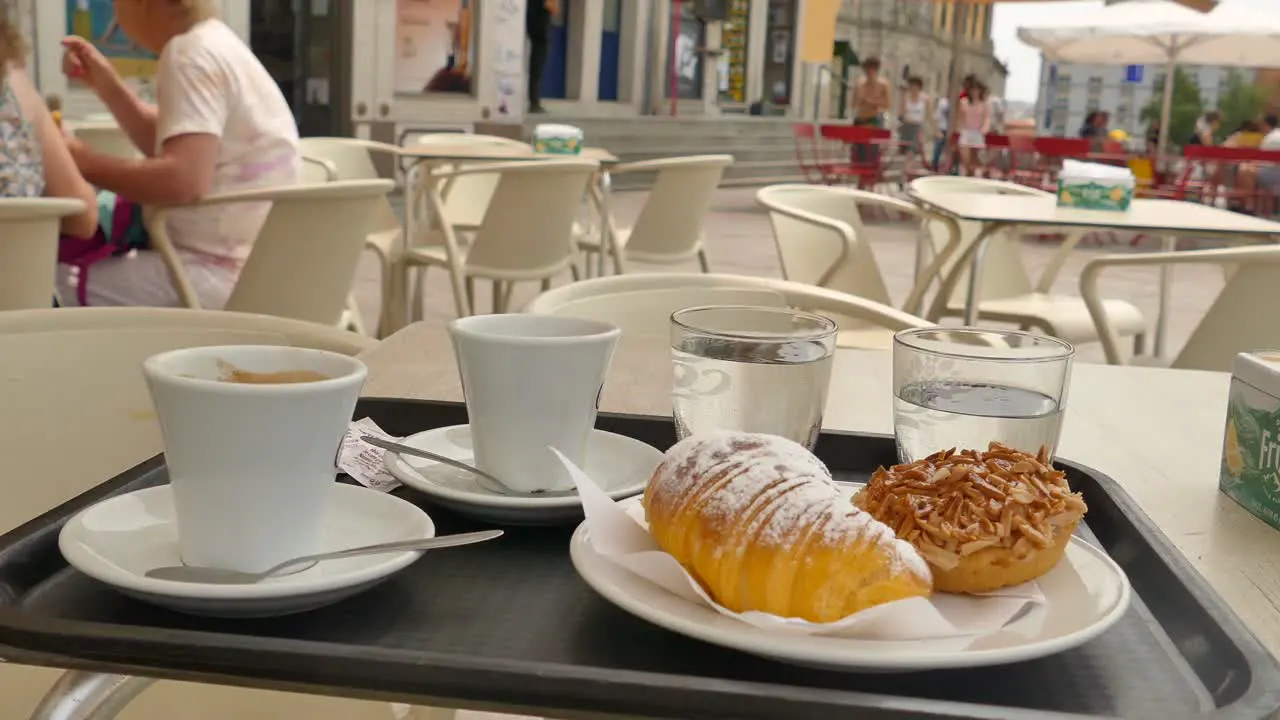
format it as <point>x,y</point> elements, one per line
<point>1240,33</point>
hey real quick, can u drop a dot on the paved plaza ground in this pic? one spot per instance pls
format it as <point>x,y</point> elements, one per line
<point>740,241</point>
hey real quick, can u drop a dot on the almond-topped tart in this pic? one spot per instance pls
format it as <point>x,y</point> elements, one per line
<point>982,519</point>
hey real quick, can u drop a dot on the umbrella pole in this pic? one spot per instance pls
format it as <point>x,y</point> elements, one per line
<point>1166,108</point>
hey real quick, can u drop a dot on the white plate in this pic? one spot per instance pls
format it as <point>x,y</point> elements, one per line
<point>118,540</point>
<point>619,464</point>
<point>1085,594</point>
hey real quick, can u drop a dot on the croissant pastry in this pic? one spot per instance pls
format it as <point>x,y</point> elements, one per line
<point>757,520</point>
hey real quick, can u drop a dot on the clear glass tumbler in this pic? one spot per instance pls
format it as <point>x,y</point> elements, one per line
<point>966,387</point>
<point>755,369</point>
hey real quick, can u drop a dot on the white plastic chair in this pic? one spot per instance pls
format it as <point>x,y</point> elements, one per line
<point>342,158</point>
<point>1240,318</point>
<point>29,249</point>
<point>643,303</point>
<point>1006,292</point>
<point>105,137</point>
<point>669,229</point>
<point>305,257</point>
<point>526,234</point>
<point>822,241</point>
<point>466,197</point>
<point>80,380</point>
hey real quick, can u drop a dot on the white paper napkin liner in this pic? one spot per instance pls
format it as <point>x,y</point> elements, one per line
<point>624,540</point>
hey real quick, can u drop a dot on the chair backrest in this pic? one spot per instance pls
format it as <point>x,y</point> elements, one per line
<point>1230,327</point>
<point>304,261</point>
<point>104,405</point>
<point>648,312</point>
<point>643,302</point>
<point>1056,147</point>
<point>854,134</point>
<point>1004,274</point>
<point>29,249</point>
<point>350,159</point>
<point>467,197</point>
<point>817,255</point>
<point>106,138</point>
<point>526,231</point>
<point>670,224</point>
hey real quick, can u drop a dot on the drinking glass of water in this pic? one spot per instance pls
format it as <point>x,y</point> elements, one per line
<point>966,387</point>
<point>755,369</point>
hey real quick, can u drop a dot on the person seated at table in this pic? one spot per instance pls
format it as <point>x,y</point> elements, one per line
<point>1259,183</point>
<point>220,125</point>
<point>34,159</point>
<point>1248,135</point>
<point>1090,128</point>
<point>1153,137</point>
<point>1206,129</point>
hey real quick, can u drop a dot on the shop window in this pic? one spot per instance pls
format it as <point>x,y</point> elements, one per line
<point>435,46</point>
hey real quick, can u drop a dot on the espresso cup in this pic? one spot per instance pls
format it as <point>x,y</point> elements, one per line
<point>531,382</point>
<point>252,462</point>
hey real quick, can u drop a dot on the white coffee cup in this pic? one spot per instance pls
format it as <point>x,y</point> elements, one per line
<point>531,382</point>
<point>252,466</point>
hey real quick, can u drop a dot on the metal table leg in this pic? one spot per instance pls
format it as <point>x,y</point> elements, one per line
<point>1169,243</point>
<point>606,226</point>
<point>89,696</point>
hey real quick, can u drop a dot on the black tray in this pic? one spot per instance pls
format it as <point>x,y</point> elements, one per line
<point>510,626</point>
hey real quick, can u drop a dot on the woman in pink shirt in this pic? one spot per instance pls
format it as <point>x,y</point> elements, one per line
<point>974,124</point>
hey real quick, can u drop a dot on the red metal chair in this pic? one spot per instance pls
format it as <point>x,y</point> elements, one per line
<point>994,162</point>
<point>1221,174</point>
<point>807,152</point>
<point>864,153</point>
<point>1051,151</point>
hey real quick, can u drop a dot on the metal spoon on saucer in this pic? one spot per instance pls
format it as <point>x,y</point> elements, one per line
<point>218,576</point>
<point>484,479</point>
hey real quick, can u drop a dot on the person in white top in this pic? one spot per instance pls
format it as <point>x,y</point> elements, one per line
<point>220,124</point>
<point>915,109</point>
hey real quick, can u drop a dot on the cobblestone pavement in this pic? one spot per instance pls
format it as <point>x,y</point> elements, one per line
<point>740,240</point>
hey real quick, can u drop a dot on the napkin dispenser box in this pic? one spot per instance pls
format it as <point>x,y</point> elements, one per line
<point>1250,472</point>
<point>557,139</point>
<point>1094,193</point>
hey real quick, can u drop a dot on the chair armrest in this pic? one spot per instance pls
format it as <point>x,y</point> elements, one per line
<point>1092,269</point>
<point>498,167</point>
<point>885,316</point>
<point>330,169</point>
<point>842,229</point>
<point>1059,259</point>
<point>659,164</point>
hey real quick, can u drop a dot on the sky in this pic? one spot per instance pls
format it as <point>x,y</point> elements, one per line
<point>1024,62</point>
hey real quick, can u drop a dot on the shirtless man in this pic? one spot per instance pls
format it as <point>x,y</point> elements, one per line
<point>871,95</point>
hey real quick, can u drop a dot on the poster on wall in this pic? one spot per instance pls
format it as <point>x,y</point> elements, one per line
<point>686,52</point>
<point>507,40</point>
<point>435,46</point>
<point>733,38</point>
<point>95,21</point>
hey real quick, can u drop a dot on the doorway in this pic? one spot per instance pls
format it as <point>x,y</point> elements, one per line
<point>555,72</point>
<point>610,49</point>
<point>306,46</point>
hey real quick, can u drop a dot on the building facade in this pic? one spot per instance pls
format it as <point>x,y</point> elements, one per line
<point>1070,91</point>
<point>387,68</point>
<point>914,38</point>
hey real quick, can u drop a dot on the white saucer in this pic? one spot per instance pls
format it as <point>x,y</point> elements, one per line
<point>619,464</point>
<point>1084,595</point>
<point>118,540</point>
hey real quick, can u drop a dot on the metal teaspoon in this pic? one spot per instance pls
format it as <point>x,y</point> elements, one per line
<point>487,481</point>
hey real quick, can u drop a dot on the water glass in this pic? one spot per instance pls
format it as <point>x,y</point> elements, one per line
<point>966,387</point>
<point>754,369</point>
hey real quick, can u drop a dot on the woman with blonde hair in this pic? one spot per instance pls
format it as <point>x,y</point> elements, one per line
<point>220,124</point>
<point>34,159</point>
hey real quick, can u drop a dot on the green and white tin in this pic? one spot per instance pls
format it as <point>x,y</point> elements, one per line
<point>557,139</point>
<point>1250,472</point>
<point>1093,194</point>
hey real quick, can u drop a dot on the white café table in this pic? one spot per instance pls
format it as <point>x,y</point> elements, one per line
<point>428,156</point>
<point>1156,432</point>
<point>1169,219</point>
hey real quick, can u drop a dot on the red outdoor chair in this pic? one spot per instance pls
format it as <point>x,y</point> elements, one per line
<point>1214,175</point>
<point>864,153</point>
<point>805,135</point>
